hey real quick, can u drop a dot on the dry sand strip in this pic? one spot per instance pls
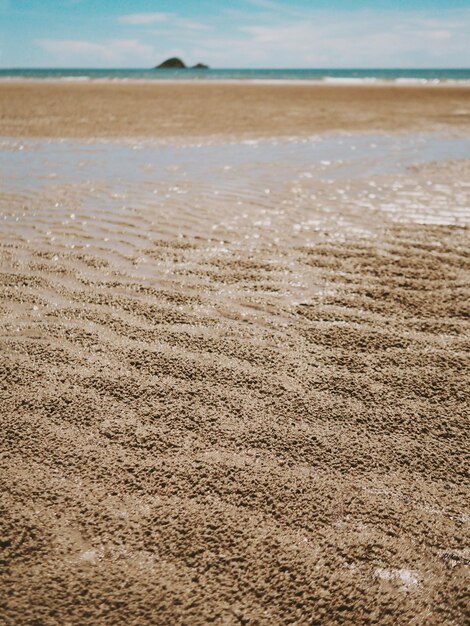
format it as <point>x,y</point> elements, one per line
<point>165,461</point>
<point>175,109</point>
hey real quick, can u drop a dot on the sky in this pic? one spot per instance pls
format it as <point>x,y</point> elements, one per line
<point>235,33</point>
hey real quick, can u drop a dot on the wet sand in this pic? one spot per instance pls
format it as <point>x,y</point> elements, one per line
<point>171,109</point>
<point>233,390</point>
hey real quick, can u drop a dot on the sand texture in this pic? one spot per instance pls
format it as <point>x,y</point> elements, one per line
<point>228,404</point>
<point>175,109</point>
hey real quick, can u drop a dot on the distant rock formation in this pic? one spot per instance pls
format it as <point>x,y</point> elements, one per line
<point>177,64</point>
<point>171,64</point>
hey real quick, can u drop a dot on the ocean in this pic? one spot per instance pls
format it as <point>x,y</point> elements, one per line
<point>346,76</point>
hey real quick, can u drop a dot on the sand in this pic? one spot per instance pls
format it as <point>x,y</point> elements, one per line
<point>242,407</point>
<point>172,109</point>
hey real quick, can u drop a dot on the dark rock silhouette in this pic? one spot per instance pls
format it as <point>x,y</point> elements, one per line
<point>172,64</point>
<point>177,64</point>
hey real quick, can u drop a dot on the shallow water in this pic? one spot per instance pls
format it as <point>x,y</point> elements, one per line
<point>115,199</point>
<point>27,163</point>
<point>246,193</point>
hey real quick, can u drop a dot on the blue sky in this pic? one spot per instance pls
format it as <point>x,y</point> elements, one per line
<point>235,33</point>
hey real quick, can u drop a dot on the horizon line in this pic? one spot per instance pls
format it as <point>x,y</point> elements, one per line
<point>297,69</point>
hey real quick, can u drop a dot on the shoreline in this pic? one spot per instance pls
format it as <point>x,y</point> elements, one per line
<point>328,81</point>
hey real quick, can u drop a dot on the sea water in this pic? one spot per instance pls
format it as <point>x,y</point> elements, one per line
<point>347,76</point>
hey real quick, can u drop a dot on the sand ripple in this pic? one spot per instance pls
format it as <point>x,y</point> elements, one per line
<point>236,407</point>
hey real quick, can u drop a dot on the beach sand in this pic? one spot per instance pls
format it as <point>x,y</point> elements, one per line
<point>54,109</point>
<point>233,396</point>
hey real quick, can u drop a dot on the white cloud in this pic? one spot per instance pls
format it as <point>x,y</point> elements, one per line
<point>439,34</point>
<point>143,19</point>
<point>183,23</point>
<point>269,4</point>
<point>169,19</point>
<point>359,39</point>
<point>114,51</point>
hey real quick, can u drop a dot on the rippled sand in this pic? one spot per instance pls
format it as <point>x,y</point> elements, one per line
<point>234,381</point>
